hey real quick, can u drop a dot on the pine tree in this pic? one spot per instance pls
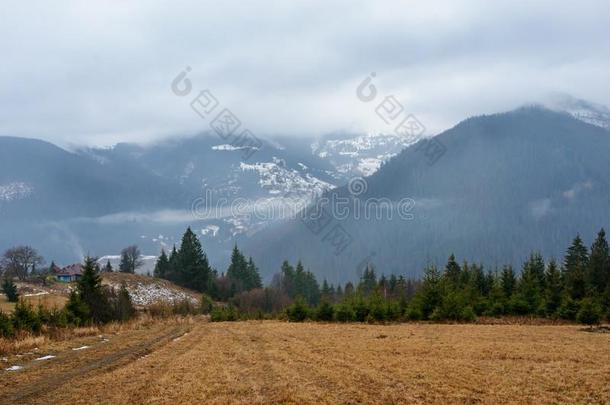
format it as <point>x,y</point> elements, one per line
<point>194,269</point>
<point>89,288</point>
<point>529,287</point>
<point>349,289</point>
<point>78,312</point>
<point>431,292</point>
<point>53,267</point>
<point>254,277</point>
<point>575,266</point>
<point>589,312</point>
<point>453,272</point>
<point>125,308</point>
<point>108,268</point>
<point>368,282</point>
<point>237,271</point>
<point>10,289</point>
<point>287,279</point>
<point>534,268</point>
<point>162,266</point>
<point>508,281</point>
<point>339,293</point>
<point>598,274</point>
<point>325,291</point>
<point>172,272</point>
<point>554,288</point>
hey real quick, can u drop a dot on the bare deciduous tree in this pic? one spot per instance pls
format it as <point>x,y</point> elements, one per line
<point>20,261</point>
<point>130,259</point>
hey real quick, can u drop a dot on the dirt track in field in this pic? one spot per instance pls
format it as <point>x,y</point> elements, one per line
<point>276,362</point>
<point>38,379</point>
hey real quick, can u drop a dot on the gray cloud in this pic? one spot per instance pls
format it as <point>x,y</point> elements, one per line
<point>99,72</point>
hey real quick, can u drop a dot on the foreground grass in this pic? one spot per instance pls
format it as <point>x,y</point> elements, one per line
<point>278,362</point>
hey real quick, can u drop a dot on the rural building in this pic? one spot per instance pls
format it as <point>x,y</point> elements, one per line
<point>70,273</point>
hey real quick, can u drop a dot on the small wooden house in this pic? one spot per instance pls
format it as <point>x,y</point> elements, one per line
<point>70,273</point>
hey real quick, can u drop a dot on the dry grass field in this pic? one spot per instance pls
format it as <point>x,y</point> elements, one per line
<point>277,362</point>
<point>49,301</point>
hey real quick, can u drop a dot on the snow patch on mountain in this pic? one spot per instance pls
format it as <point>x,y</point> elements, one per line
<point>15,191</point>
<point>278,179</point>
<point>360,155</point>
<point>211,230</point>
<point>591,113</point>
<point>229,147</point>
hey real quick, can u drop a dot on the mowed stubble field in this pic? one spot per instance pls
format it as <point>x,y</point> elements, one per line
<point>279,362</point>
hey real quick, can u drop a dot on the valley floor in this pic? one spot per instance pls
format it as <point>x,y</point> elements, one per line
<point>278,362</point>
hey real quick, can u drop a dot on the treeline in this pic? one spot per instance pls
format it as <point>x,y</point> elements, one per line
<point>577,289</point>
<point>189,267</point>
<point>90,303</point>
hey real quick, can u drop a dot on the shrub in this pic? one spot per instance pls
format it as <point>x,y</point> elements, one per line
<point>414,312</point>
<point>184,307</point>
<point>298,311</point>
<point>496,309</point>
<point>377,309</point>
<point>206,304</point>
<point>58,318</point>
<point>519,305</point>
<point>325,312</point>
<point>436,315</point>
<point>6,325</point>
<point>361,310</point>
<point>468,314</point>
<point>344,313</point>
<point>10,289</point>
<point>224,314</point>
<point>568,309</point>
<point>393,311</point>
<point>589,313</point>
<point>123,307</point>
<point>25,318</point>
<point>77,310</point>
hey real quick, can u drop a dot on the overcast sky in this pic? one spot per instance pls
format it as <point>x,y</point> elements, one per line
<point>99,72</point>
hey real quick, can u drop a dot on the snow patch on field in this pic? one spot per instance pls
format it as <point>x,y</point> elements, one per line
<point>36,294</point>
<point>45,358</point>
<point>14,368</point>
<point>150,293</point>
<point>81,348</point>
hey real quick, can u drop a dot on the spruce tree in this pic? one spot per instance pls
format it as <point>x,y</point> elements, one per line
<point>598,274</point>
<point>453,272</point>
<point>162,266</point>
<point>368,281</point>
<point>10,289</point>
<point>238,272</point>
<point>288,279</point>
<point>108,267</point>
<point>125,309</point>
<point>431,294</point>
<point>253,276</point>
<point>529,285</point>
<point>349,289</point>
<point>89,288</point>
<point>325,291</point>
<point>508,281</point>
<point>575,267</point>
<point>554,288</point>
<point>172,272</point>
<point>194,270</point>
